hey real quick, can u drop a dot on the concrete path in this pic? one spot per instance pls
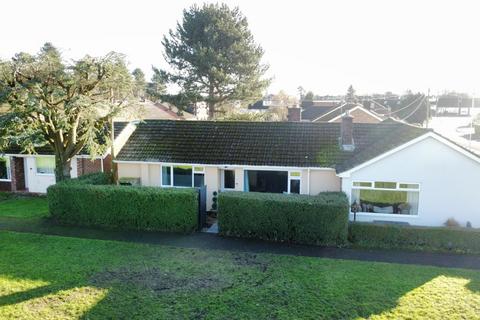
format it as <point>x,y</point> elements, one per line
<point>215,242</point>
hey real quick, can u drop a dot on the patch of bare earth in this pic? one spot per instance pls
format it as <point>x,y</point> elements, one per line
<point>251,260</point>
<point>158,280</point>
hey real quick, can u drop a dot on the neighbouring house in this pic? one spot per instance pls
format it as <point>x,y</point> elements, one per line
<point>153,110</point>
<point>20,172</point>
<point>333,114</point>
<point>391,171</point>
<point>456,104</point>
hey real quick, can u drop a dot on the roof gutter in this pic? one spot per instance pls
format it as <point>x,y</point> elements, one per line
<point>226,166</point>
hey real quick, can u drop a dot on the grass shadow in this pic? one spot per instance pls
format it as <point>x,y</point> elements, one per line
<point>145,281</point>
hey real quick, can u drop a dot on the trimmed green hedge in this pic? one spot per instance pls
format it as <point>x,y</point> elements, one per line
<point>445,239</point>
<point>76,202</point>
<point>98,178</point>
<point>321,219</point>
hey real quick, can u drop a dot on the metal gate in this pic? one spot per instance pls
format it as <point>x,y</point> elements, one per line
<point>202,207</point>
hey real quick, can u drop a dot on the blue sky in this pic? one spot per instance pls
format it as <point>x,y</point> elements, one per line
<point>323,46</point>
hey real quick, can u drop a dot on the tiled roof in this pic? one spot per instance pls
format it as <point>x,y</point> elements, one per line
<point>311,113</point>
<point>290,144</point>
<point>118,127</point>
<point>46,150</point>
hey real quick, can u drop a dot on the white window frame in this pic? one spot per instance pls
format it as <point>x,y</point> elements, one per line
<point>299,178</point>
<point>44,174</point>
<point>376,214</point>
<point>222,178</point>
<point>197,172</point>
<point>171,166</point>
<point>9,169</point>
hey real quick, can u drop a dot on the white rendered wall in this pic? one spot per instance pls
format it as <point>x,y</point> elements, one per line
<point>449,183</point>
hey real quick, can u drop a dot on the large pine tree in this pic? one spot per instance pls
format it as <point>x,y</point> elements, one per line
<point>214,57</point>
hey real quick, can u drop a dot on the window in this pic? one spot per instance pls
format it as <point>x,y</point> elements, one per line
<point>45,165</point>
<point>166,176</point>
<point>198,177</point>
<point>295,182</point>
<point>4,168</point>
<point>295,186</point>
<point>266,181</point>
<point>183,176</point>
<point>229,179</point>
<point>386,197</point>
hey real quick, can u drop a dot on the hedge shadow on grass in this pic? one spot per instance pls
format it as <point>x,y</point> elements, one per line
<point>291,287</point>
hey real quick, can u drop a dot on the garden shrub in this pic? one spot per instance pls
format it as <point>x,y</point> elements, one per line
<point>87,202</point>
<point>98,178</point>
<point>460,240</point>
<point>321,219</point>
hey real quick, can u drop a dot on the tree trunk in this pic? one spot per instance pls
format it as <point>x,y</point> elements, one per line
<point>211,110</point>
<point>62,169</point>
<point>210,103</point>
<point>113,165</point>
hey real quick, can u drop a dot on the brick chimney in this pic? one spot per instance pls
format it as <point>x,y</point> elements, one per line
<point>294,114</point>
<point>346,132</point>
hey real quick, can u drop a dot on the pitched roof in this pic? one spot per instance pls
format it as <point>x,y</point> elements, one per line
<point>289,144</point>
<point>334,113</point>
<point>46,150</point>
<point>312,112</point>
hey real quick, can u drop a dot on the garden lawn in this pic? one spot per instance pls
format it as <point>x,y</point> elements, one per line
<point>23,206</point>
<point>48,277</point>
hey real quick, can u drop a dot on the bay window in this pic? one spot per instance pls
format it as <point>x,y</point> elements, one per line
<point>182,176</point>
<point>5,168</point>
<point>385,197</point>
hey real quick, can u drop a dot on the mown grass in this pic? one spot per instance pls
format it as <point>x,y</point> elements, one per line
<point>48,277</point>
<point>16,206</point>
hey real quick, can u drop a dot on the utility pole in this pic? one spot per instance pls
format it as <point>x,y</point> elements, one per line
<point>471,123</point>
<point>428,107</point>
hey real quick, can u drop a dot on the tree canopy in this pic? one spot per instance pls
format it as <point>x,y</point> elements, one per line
<point>156,87</point>
<point>351,97</point>
<point>140,83</point>
<point>65,106</point>
<point>214,58</point>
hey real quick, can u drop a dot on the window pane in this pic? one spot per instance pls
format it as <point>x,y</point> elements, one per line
<point>198,180</point>
<point>4,168</point>
<point>295,186</point>
<point>166,175</point>
<point>229,179</point>
<point>384,201</point>
<point>295,174</point>
<point>266,181</point>
<point>362,184</point>
<point>199,169</point>
<point>385,185</point>
<point>408,186</point>
<point>182,176</point>
<point>45,165</point>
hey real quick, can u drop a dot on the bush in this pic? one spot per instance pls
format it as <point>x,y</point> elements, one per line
<point>75,202</point>
<point>321,219</point>
<point>98,178</point>
<point>451,239</point>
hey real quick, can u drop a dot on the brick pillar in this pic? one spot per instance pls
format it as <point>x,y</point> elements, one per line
<point>294,114</point>
<point>13,174</point>
<point>17,173</point>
